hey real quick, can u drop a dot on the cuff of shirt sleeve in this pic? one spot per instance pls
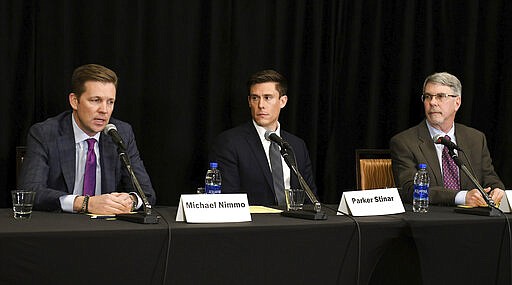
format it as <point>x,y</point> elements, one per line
<point>66,203</point>
<point>460,198</point>
<point>139,200</point>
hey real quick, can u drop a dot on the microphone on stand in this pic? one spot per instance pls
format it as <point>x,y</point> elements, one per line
<point>440,139</point>
<point>491,209</point>
<point>272,136</point>
<point>289,158</point>
<point>111,130</point>
<point>146,217</point>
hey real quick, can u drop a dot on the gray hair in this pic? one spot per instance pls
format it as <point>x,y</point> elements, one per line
<point>446,79</point>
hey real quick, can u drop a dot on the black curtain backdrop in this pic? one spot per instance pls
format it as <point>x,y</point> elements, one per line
<point>355,70</point>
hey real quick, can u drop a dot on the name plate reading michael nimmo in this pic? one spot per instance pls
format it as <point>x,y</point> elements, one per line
<point>213,208</point>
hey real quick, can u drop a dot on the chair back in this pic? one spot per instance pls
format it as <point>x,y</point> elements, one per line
<point>373,169</point>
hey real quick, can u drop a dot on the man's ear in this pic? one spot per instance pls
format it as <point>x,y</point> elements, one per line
<point>458,102</point>
<point>73,101</point>
<point>282,101</point>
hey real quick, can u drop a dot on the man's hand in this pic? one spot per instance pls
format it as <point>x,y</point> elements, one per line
<point>496,195</point>
<point>109,204</point>
<point>475,199</point>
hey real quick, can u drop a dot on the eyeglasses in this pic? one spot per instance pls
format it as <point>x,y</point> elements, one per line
<point>439,96</point>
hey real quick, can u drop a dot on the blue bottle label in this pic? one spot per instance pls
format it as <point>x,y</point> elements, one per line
<point>212,189</point>
<point>420,192</point>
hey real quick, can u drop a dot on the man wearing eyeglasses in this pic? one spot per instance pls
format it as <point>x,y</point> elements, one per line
<point>448,186</point>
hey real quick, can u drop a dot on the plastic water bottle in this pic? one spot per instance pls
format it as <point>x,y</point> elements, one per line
<point>213,180</point>
<point>421,184</point>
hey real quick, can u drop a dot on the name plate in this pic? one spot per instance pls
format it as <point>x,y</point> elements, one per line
<point>371,202</point>
<point>505,202</point>
<point>213,208</point>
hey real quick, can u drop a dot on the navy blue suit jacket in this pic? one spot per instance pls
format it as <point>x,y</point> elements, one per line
<point>245,168</point>
<point>49,164</point>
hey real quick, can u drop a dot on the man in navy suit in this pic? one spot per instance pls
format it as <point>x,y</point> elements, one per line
<point>57,151</point>
<point>243,152</point>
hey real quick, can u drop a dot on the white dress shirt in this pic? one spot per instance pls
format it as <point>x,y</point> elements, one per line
<point>81,147</point>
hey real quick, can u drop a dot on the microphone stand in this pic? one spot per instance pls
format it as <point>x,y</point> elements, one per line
<point>491,210</point>
<point>317,213</point>
<point>146,217</point>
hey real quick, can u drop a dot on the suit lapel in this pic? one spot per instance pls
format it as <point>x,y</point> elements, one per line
<point>427,148</point>
<point>462,138</point>
<point>254,143</point>
<point>108,151</point>
<point>67,153</point>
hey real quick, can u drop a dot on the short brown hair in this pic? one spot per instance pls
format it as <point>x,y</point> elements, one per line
<point>91,72</point>
<point>269,75</point>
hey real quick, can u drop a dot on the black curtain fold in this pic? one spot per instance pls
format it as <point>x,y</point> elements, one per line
<point>355,71</point>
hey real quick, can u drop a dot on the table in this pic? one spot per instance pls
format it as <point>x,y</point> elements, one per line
<point>458,248</point>
<point>440,247</point>
<point>62,248</point>
<point>273,249</point>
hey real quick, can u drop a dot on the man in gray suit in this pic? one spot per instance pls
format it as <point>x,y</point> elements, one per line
<point>441,99</point>
<point>60,149</point>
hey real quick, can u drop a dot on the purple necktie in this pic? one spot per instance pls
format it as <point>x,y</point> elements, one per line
<point>450,170</point>
<point>90,170</point>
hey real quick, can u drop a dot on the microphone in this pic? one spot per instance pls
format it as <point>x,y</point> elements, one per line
<point>146,217</point>
<point>317,213</point>
<point>491,210</point>
<point>440,139</point>
<point>272,136</point>
<point>111,130</point>
<point>286,150</point>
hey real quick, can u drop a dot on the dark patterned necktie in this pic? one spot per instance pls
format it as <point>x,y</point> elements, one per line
<point>450,170</point>
<point>90,170</point>
<point>277,173</point>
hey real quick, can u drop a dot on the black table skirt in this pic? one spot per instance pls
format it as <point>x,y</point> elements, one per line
<point>440,247</point>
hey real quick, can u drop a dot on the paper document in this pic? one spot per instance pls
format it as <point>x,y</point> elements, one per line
<point>263,210</point>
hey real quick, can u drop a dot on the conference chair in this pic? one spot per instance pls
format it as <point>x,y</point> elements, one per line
<point>20,155</point>
<point>373,169</point>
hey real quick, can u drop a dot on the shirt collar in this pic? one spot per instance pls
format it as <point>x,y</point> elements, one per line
<point>80,135</point>
<point>434,132</point>
<point>261,130</point>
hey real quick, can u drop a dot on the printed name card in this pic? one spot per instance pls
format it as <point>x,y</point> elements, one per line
<point>505,202</point>
<point>213,208</point>
<point>371,202</point>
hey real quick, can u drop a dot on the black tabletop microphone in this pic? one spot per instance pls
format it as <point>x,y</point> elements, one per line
<point>440,139</point>
<point>147,216</point>
<point>272,136</point>
<point>111,130</point>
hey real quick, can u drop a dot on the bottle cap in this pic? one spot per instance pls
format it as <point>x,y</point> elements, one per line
<point>422,166</point>
<point>213,165</point>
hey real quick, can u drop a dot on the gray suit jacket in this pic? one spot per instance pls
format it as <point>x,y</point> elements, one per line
<point>414,146</point>
<point>49,164</point>
<point>245,167</point>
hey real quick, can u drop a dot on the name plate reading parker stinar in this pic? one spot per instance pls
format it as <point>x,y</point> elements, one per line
<point>505,205</point>
<point>371,202</point>
<point>213,208</point>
